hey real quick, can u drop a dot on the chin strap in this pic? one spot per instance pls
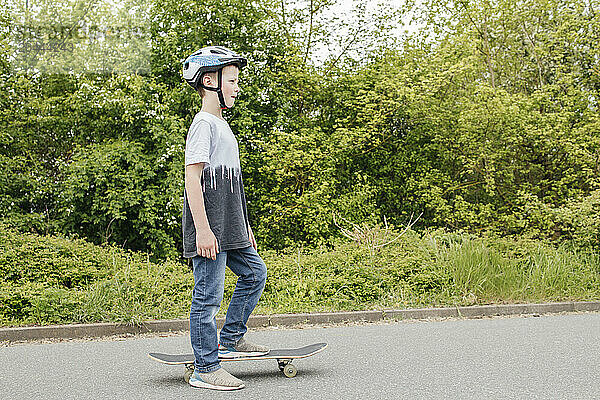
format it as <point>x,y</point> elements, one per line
<point>217,89</point>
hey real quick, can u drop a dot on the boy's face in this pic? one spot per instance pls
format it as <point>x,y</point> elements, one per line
<point>229,85</point>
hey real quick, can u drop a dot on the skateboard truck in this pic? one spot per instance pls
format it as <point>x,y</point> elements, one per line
<point>189,371</point>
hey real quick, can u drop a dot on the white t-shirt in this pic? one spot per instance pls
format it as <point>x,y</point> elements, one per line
<point>211,141</point>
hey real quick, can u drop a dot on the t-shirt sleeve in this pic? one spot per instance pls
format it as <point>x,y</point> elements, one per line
<point>198,143</point>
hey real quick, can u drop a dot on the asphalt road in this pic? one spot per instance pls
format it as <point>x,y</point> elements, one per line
<point>548,357</point>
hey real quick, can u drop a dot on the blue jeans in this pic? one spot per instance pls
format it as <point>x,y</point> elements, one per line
<point>209,284</point>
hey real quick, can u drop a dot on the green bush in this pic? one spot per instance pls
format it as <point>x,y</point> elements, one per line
<point>425,123</point>
<point>47,280</point>
<point>55,261</point>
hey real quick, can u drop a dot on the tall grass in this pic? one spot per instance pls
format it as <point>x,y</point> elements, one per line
<point>487,271</point>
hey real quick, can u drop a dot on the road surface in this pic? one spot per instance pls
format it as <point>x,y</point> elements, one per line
<point>548,357</point>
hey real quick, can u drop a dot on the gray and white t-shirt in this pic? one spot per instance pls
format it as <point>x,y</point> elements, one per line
<point>211,141</point>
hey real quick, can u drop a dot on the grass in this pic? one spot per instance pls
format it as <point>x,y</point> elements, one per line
<point>47,280</point>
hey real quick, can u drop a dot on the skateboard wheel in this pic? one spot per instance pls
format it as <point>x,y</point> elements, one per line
<point>290,371</point>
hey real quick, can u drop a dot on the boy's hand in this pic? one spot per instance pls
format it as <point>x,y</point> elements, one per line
<point>252,240</point>
<point>207,244</point>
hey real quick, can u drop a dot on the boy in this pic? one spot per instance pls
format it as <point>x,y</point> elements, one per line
<point>215,222</point>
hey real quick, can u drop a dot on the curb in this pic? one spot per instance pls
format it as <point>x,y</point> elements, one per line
<point>110,329</point>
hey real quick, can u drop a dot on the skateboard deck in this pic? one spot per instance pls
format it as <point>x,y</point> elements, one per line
<point>284,358</point>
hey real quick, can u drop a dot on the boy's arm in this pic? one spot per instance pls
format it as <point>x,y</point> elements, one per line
<point>206,242</point>
<point>251,237</point>
<point>250,233</point>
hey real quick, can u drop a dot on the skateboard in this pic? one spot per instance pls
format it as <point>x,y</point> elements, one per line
<point>284,358</point>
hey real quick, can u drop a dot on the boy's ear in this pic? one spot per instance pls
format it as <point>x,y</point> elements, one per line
<point>209,79</point>
<point>206,80</point>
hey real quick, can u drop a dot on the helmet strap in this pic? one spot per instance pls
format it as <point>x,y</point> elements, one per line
<point>219,91</point>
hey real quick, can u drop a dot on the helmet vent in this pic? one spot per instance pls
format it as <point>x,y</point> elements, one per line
<point>217,51</point>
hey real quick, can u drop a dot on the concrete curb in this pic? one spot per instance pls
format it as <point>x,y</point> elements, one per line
<point>109,329</point>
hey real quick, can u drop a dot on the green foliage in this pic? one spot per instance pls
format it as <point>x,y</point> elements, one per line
<point>575,222</point>
<point>484,120</point>
<point>71,37</point>
<point>46,279</point>
<point>109,194</point>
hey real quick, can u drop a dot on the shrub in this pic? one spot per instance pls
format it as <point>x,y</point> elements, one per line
<point>47,279</point>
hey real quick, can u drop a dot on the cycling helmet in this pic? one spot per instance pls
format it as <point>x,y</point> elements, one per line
<point>210,59</point>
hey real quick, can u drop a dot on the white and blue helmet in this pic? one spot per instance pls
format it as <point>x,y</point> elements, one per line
<point>210,59</point>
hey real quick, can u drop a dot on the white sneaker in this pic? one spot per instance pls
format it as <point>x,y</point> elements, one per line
<point>241,349</point>
<point>216,380</point>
